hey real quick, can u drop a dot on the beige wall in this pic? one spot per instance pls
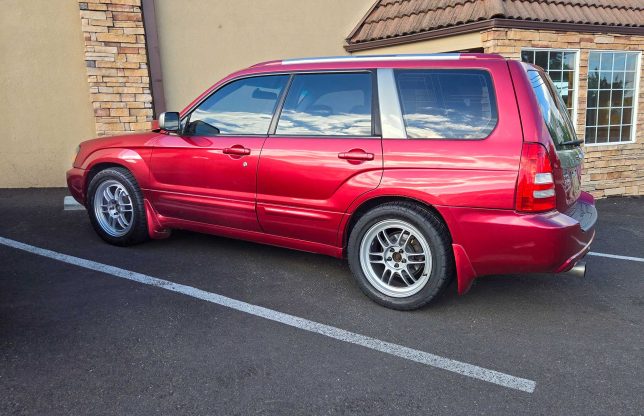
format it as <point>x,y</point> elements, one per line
<point>203,40</point>
<point>452,43</point>
<point>44,97</point>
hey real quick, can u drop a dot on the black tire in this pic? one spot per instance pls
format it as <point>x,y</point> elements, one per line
<point>432,229</point>
<point>138,232</point>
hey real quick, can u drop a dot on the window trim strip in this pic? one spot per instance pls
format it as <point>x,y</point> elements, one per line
<point>391,119</point>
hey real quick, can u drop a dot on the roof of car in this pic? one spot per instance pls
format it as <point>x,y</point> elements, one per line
<point>378,58</point>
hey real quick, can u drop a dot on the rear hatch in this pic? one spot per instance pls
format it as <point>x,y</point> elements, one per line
<point>569,155</point>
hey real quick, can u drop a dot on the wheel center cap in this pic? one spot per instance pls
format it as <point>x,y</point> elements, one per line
<point>397,257</point>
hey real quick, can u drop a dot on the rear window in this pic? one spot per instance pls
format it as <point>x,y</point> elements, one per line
<point>553,109</point>
<point>447,104</point>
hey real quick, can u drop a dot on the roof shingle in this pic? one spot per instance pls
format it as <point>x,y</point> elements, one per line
<point>393,18</point>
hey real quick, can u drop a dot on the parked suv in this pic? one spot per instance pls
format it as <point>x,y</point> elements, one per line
<point>417,168</point>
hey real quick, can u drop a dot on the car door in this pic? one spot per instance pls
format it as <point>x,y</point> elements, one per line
<point>208,173</point>
<point>323,152</point>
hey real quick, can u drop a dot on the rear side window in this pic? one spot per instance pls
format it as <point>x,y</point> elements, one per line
<point>553,109</point>
<point>241,107</point>
<point>327,104</point>
<point>447,104</point>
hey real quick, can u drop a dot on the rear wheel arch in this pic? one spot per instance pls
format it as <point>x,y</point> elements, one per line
<point>427,236</point>
<point>372,203</point>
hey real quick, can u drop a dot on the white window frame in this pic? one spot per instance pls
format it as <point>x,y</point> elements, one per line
<point>638,69</point>
<point>575,95</point>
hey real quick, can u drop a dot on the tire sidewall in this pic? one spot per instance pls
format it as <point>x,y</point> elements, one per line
<point>439,254</point>
<point>139,226</point>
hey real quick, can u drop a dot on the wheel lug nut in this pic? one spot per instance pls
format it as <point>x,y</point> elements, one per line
<point>396,265</point>
<point>404,261</point>
<point>388,258</point>
<point>392,249</point>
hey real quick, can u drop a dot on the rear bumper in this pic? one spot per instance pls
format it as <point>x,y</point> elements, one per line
<point>507,242</point>
<point>76,184</point>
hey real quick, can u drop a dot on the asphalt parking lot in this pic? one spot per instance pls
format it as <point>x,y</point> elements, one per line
<point>79,341</point>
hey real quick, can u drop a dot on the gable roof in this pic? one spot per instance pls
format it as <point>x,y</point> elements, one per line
<point>389,19</point>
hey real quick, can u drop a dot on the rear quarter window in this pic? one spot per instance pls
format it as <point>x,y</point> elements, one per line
<point>447,104</point>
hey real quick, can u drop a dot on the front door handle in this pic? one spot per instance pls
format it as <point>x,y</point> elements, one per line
<point>237,149</point>
<point>356,154</point>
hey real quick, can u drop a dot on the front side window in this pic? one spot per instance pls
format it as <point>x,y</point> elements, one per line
<point>561,66</point>
<point>610,115</point>
<point>334,104</point>
<point>447,104</point>
<point>241,107</point>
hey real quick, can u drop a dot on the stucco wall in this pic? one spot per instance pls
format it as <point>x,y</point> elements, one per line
<point>203,40</point>
<point>44,98</point>
<point>450,44</point>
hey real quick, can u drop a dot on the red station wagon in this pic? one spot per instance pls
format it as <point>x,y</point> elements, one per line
<point>416,168</point>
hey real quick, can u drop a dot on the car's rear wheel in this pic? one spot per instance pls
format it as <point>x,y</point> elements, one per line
<point>115,207</point>
<point>400,255</point>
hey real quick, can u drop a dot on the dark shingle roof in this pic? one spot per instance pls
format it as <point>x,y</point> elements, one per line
<point>393,18</point>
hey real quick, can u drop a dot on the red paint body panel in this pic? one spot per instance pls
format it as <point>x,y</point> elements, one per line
<point>475,173</point>
<point>504,241</point>
<point>304,188</point>
<point>192,178</point>
<point>301,192</point>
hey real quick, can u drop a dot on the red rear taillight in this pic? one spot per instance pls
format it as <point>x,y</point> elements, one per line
<point>535,185</point>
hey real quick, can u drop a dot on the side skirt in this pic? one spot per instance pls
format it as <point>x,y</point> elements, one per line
<point>253,236</point>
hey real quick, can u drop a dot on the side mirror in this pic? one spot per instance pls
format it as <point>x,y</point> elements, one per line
<point>169,121</point>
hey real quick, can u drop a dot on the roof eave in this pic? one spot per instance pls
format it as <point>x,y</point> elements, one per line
<point>493,24</point>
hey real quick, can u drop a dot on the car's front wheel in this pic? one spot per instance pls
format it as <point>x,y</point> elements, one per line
<point>400,255</point>
<point>115,207</point>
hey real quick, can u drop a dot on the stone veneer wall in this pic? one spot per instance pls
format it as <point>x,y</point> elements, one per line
<point>116,61</point>
<point>608,169</point>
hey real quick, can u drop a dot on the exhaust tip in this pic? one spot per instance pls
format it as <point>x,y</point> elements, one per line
<point>578,270</point>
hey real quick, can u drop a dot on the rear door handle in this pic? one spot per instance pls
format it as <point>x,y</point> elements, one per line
<point>356,154</point>
<point>237,149</point>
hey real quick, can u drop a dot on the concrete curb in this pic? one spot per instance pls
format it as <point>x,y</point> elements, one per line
<point>70,204</point>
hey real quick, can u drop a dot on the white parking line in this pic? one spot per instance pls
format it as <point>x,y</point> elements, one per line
<point>615,256</point>
<point>418,356</point>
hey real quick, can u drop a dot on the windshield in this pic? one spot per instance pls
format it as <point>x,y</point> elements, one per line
<point>553,109</point>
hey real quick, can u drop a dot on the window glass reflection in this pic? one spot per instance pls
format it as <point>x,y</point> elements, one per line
<point>611,87</point>
<point>553,109</point>
<point>447,104</point>
<point>327,104</point>
<point>245,106</point>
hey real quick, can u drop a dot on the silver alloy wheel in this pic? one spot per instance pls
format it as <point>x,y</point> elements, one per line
<point>113,208</point>
<point>396,258</point>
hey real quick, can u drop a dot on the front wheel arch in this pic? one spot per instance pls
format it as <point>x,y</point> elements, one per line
<point>98,167</point>
<point>138,230</point>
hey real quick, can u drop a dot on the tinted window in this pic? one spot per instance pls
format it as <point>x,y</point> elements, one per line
<point>447,104</point>
<point>553,109</point>
<point>327,104</point>
<point>245,106</point>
